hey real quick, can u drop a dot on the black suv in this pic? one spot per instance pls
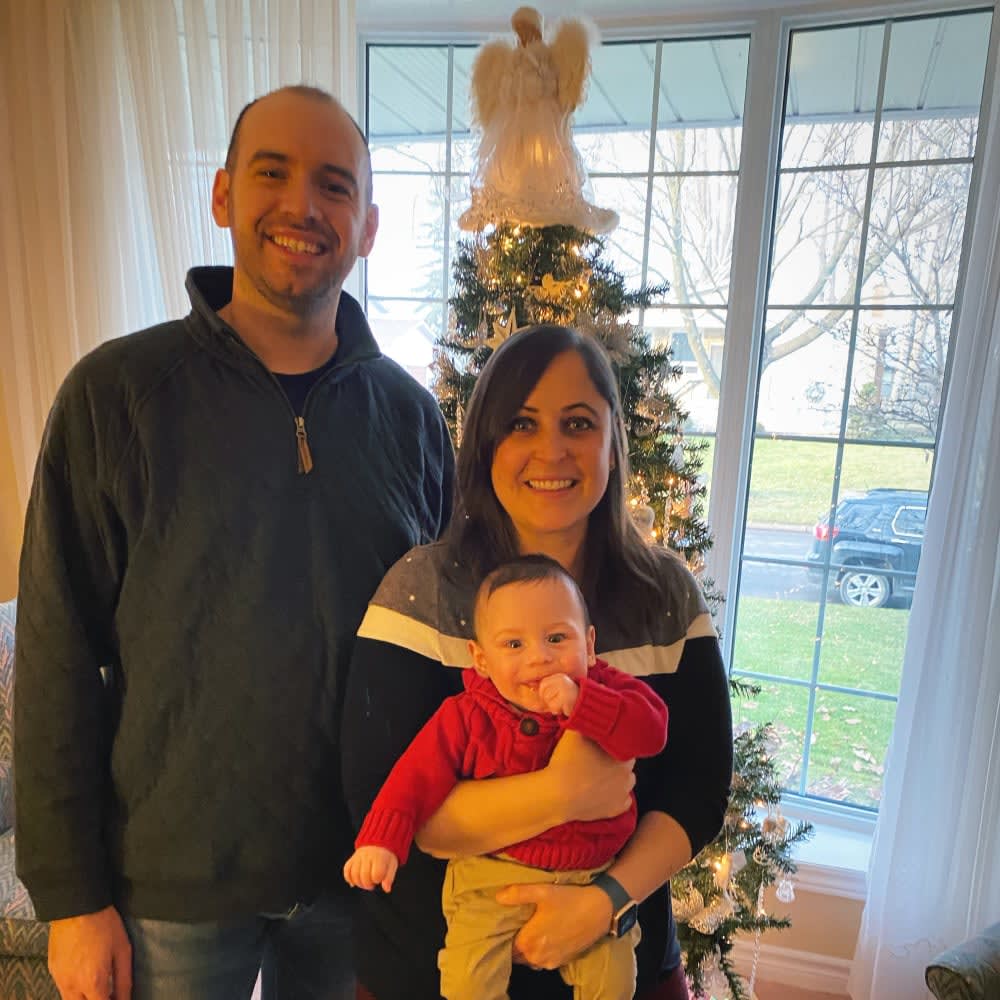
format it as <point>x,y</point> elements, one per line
<point>874,542</point>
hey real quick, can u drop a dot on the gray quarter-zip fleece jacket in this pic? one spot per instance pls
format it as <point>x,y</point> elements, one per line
<point>174,538</point>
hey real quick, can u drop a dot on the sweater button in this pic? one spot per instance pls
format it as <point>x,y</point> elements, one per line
<point>529,726</point>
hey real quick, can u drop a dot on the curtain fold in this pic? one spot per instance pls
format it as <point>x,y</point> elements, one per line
<point>116,115</point>
<point>934,877</point>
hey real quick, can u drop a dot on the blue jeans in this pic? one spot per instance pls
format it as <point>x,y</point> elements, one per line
<point>303,954</point>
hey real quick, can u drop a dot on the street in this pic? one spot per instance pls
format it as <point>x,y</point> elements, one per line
<point>776,580</point>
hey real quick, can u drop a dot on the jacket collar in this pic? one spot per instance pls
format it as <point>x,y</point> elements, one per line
<point>484,691</point>
<point>210,288</point>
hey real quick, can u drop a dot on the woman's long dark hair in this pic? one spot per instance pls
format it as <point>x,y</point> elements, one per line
<point>481,534</point>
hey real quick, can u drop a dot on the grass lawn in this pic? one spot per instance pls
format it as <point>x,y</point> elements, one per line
<point>790,481</point>
<point>861,648</point>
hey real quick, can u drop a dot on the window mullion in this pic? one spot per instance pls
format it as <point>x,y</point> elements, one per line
<point>654,116</point>
<point>747,286</point>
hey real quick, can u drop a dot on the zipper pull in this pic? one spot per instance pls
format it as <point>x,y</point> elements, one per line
<point>305,457</point>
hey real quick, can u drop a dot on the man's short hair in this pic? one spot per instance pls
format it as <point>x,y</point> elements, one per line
<point>303,90</point>
<point>526,569</point>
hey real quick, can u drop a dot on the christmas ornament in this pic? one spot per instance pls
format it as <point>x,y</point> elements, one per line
<point>551,290</point>
<point>774,827</point>
<point>688,905</point>
<point>614,336</point>
<point>708,921</point>
<point>785,893</point>
<point>721,874</point>
<point>523,95</point>
<point>644,517</point>
<point>501,331</point>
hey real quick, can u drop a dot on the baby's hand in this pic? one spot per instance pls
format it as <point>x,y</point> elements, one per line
<point>559,693</point>
<point>368,867</point>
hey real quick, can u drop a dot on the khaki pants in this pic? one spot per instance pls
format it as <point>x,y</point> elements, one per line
<point>476,960</point>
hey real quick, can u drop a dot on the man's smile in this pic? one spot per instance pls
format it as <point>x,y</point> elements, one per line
<point>296,244</point>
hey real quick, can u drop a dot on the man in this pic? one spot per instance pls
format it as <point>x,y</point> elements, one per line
<point>215,501</point>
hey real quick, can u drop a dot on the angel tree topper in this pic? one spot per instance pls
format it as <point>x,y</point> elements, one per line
<point>529,172</point>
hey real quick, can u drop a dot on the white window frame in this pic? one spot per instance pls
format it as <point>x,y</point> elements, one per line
<point>837,856</point>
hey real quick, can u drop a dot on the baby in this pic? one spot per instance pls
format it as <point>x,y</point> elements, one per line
<point>534,675</point>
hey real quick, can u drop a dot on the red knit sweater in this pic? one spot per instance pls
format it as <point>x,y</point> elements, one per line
<point>477,734</point>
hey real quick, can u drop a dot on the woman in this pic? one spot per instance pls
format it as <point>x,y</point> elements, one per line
<point>542,468</point>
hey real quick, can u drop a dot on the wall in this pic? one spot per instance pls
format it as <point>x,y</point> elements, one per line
<point>820,923</point>
<point>813,955</point>
<point>11,514</point>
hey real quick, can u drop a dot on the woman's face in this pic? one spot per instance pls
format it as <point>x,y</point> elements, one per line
<point>551,470</point>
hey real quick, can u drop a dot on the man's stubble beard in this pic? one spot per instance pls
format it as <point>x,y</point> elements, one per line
<point>302,304</point>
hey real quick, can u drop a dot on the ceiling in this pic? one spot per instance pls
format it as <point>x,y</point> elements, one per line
<point>833,73</point>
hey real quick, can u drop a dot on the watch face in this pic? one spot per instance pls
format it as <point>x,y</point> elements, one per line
<point>625,919</point>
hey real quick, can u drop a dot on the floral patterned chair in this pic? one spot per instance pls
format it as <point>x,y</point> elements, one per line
<point>23,939</point>
<point>970,970</point>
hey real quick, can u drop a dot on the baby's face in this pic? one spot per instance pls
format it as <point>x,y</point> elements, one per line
<point>527,631</point>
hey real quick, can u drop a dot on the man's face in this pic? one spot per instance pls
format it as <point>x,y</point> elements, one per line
<point>296,203</point>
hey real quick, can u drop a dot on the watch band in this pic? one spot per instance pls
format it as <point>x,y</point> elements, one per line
<point>617,893</point>
<point>624,909</point>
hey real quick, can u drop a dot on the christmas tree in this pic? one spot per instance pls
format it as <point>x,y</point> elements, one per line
<point>720,894</point>
<point>535,256</point>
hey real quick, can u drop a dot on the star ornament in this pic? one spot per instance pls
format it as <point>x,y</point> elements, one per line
<point>502,330</point>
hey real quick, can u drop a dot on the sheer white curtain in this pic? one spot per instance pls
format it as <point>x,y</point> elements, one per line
<point>114,116</point>
<point>935,867</point>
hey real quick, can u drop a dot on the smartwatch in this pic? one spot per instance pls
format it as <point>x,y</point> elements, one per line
<point>624,909</point>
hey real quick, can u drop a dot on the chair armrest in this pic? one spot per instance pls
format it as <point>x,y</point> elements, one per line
<point>969,971</point>
<point>6,795</point>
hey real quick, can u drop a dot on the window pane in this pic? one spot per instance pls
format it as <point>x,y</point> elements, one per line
<point>790,485</point>
<point>933,86</point>
<point>811,143</point>
<point>786,708</point>
<point>464,141</point>
<point>863,645</point>
<point>927,138</point>
<point>459,203</point>
<point>618,108</point>
<point>624,246</point>
<point>423,156</point>
<point>696,338</point>
<point>407,90</point>
<point>850,739</point>
<point>610,152</point>
<point>406,331</point>
<point>407,258</point>
<point>686,149</point>
<point>832,88</point>
<point>914,239</point>
<point>702,82</point>
<point>899,366</point>
<point>691,236</point>
<point>870,467</point>
<point>804,370</point>
<point>817,237</point>
<point>774,636</point>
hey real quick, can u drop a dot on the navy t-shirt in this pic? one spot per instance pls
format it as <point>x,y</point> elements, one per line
<point>297,386</point>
